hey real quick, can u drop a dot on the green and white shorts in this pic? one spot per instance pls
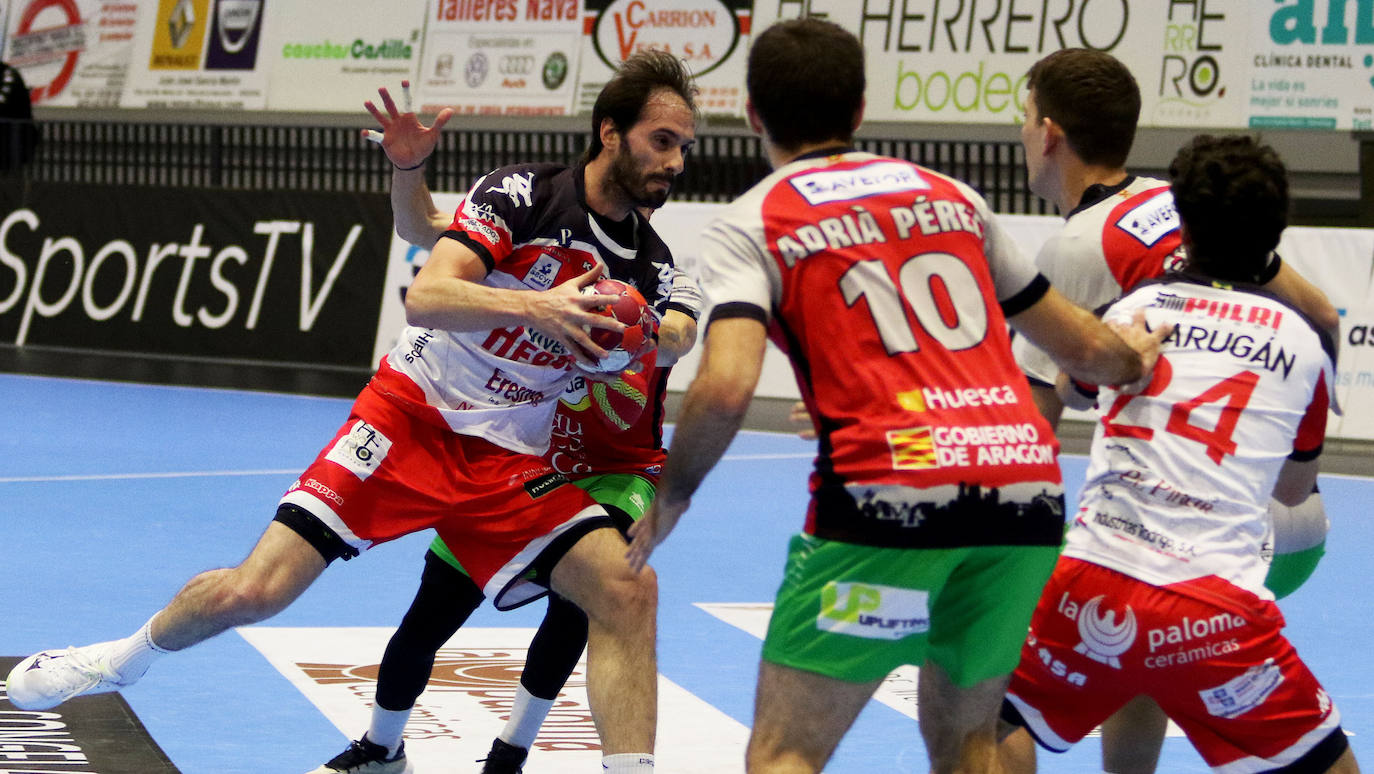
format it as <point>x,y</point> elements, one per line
<point>626,491</point>
<point>855,612</point>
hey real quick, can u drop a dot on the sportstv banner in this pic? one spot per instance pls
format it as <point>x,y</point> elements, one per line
<point>257,276</point>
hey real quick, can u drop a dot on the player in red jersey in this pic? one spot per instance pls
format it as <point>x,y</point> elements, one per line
<point>936,507</point>
<point>448,433</point>
<point>1160,590</point>
<point>1121,229</point>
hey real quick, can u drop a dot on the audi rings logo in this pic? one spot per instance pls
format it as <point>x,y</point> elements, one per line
<point>475,71</point>
<point>516,64</point>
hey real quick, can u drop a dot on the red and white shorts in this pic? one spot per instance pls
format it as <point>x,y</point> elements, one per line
<point>388,473</point>
<point>1207,651</point>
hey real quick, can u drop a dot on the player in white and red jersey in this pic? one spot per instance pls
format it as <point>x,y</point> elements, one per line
<point>617,466</point>
<point>448,432</point>
<point>1119,229</point>
<point>1160,590</point>
<point>936,505</point>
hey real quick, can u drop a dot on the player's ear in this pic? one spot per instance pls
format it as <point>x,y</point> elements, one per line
<point>752,116</point>
<point>1054,135</point>
<point>610,135</point>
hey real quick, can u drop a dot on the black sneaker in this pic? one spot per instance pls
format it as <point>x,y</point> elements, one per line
<point>364,757</point>
<point>504,758</point>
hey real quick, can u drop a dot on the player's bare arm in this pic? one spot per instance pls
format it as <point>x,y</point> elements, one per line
<point>1084,346</point>
<point>712,413</point>
<point>1294,288</point>
<point>408,143</point>
<point>677,333</point>
<point>446,294</point>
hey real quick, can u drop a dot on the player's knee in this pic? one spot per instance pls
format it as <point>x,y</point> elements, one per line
<point>628,595</point>
<point>243,598</point>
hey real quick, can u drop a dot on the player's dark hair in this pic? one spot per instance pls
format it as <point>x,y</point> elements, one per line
<point>639,77</point>
<point>1232,196</point>
<point>1093,98</point>
<point>806,82</point>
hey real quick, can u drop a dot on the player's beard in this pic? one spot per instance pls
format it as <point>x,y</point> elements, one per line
<point>626,175</point>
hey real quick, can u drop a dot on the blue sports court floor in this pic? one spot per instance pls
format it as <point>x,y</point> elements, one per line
<point>112,495</point>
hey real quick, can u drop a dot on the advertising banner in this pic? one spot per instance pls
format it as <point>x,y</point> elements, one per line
<point>72,53</point>
<point>501,57</point>
<point>1355,376</point>
<point>244,275</point>
<point>1313,65</point>
<point>711,36</point>
<point>198,55</point>
<point>330,57</point>
<point>967,62</point>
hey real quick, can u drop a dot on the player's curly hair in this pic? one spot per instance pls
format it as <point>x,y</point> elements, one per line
<point>624,96</point>
<point>1093,97</point>
<point>1232,196</point>
<point>806,81</point>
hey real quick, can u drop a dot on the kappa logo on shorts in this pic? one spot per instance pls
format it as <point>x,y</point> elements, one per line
<point>873,611</point>
<point>1103,639</point>
<point>361,451</point>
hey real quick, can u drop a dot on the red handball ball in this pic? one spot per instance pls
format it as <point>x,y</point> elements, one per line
<point>622,347</point>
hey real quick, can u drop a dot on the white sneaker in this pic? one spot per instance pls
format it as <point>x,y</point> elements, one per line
<point>48,678</point>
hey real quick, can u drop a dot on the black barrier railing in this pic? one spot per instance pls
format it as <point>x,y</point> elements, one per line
<point>250,157</point>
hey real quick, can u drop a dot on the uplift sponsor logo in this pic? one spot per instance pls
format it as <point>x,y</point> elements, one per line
<point>873,611</point>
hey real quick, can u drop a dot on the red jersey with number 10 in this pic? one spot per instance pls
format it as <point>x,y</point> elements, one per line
<point>886,285</point>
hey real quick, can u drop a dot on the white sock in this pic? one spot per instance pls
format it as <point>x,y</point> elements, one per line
<point>526,716</point>
<point>388,726</point>
<point>628,763</point>
<point>132,656</point>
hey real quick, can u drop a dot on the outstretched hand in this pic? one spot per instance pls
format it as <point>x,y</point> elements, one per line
<point>407,142</point>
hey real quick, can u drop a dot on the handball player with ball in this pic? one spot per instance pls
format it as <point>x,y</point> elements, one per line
<point>607,437</point>
<point>449,432</point>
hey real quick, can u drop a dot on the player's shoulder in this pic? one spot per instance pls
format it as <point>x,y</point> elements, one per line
<point>1225,299</point>
<point>650,242</point>
<point>524,182</point>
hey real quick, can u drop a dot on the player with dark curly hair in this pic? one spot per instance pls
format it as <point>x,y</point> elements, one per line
<point>1160,588</point>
